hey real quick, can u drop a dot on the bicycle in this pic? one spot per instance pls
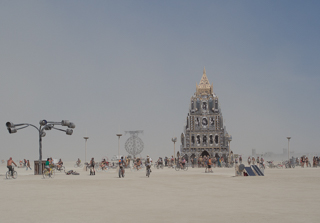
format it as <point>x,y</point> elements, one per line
<point>121,172</point>
<point>178,167</point>
<point>102,168</point>
<point>148,171</point>
<point>78,165</point>
<point>156,165</point>
<point>62,168</point>
<point>261,166</point>
<point>11,174</point>
<point>48,173</point>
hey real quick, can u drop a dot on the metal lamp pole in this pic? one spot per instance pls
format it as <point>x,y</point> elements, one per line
<point>44,125</point>
<point>289,151</point>
<point>85,154</point>
<point>174,139</point>
<point>119,135</point>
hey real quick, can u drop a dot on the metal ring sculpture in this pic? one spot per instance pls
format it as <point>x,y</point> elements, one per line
<point>134,145</point>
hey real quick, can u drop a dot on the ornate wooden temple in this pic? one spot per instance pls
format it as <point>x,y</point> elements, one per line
<point>204,133</point>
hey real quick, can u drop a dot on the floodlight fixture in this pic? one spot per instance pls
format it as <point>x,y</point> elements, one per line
<point>12,130</point>
<point>9,124</point>
<point>48,127</point>
<point>44,125</point>
<point>71,125</point>
<point>69,131</point>
<point>43,122</point>
<point>65,122</point>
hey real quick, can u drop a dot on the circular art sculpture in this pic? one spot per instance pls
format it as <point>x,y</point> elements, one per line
<point>134,145</point>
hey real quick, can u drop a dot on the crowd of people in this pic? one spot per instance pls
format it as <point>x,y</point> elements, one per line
<point>24,164</point>
<point>258,161</point>
<point>205,161</point>
<point>304,161</point>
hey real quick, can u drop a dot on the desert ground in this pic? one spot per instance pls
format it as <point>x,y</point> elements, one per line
<point>282,195</point>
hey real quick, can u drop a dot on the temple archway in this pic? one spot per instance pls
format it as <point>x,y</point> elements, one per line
<point>205,153</point>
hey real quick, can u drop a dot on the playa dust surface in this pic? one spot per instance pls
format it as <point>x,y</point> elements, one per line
<point>289,195</point>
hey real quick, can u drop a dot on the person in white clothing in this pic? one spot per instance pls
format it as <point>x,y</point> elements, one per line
<point>148,163</point>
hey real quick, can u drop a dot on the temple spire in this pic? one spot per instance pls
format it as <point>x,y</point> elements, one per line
<point>204,85</point>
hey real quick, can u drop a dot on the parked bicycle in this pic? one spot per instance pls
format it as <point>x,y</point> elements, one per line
<point>271,164</point>
<point>11,174</point>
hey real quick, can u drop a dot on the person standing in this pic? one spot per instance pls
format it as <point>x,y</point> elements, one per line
<point>91,165</point>
<point>9,165</point>
<point>253,161</point>
<point>210,165</point>
<point>240,159</point>
<point>28,165</point>
<point>302,162</point>
<point>249,160</point>
<point>148,163</point>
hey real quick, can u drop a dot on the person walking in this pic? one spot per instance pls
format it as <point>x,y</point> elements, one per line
<point>28,165</point>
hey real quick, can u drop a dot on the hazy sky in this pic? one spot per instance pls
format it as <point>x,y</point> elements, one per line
<point>111,66</point>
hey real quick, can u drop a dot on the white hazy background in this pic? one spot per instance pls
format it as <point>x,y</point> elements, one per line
<point>111,66</point>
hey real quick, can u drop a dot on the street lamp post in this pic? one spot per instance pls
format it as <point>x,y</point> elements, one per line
<point>119,135</point>
<point>85,154</point>
<point>289,151</point>
<point>174,140</point>
<point>44,125</point>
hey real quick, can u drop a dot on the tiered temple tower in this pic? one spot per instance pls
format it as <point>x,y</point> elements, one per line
<point>204,133</point>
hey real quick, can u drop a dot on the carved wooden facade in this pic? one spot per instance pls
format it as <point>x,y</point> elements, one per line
<point>204,133</point>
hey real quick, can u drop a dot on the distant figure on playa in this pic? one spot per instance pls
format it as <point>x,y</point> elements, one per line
<point>249,160</point>
<point>253,161</point>
<point>215,161</point>
<point>209,166</point>
<point>262,162</point>
<point>28,165</point>
<point>47,164</point>
<point>240,159</point>
<point>148,163</point>
<point>314,161</point>
<point>91,165</point>
<point>9,165</point>
<point>59,164</point>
